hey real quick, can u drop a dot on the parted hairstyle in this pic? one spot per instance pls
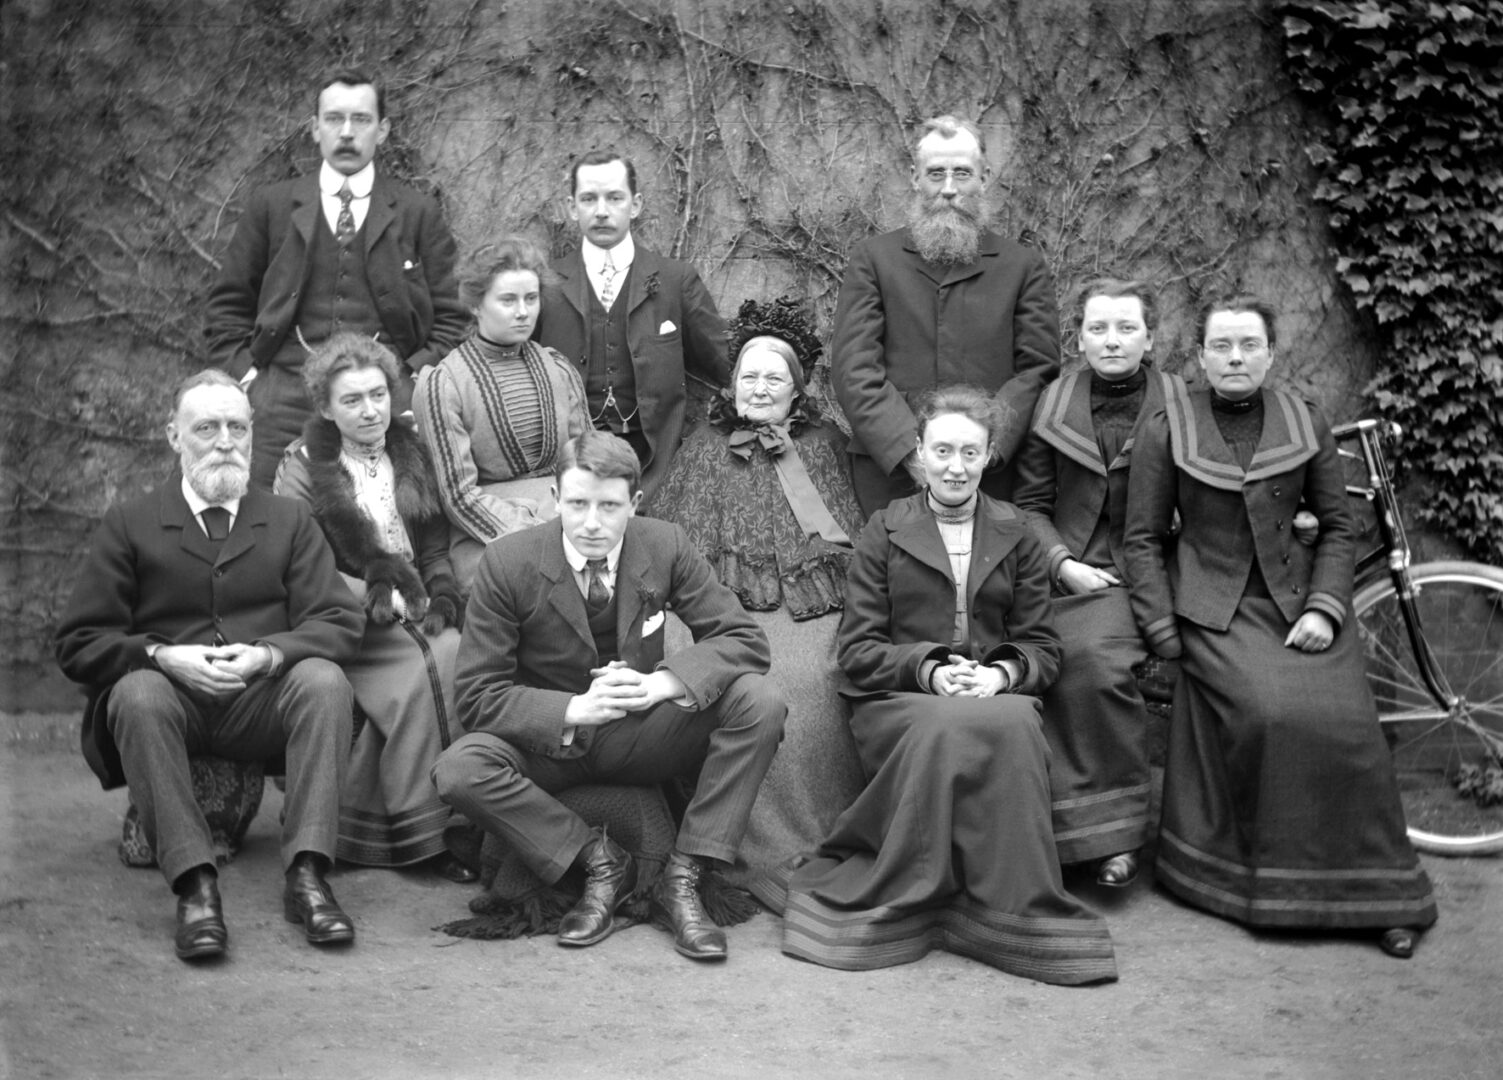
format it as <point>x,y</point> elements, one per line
<point>350,76</point>
<point>971,402</point>
<point>346,351</point>
<point>601,453</point>
<point>602,157</point>
<point>489,262</point>
<point>1119,287</point>
<point>1240,302</point>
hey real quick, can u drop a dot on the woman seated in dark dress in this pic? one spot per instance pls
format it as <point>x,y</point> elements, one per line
<point>370,484</point>
<point>1072,487</point>
<point>946,642</point>
<point>1280,807</point>
<point>495,410</point>
<point>762,489</point>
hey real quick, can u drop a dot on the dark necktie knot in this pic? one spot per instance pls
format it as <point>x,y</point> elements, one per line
<point>216,521</point>
<point>598,595</point>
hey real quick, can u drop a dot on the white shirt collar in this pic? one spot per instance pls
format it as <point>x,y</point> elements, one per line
<point>621,255</point>
<point>577,561</point>
<point>330,180</point>
<point>197,505</point>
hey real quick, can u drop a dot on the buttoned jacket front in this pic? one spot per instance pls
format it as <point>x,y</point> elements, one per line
<point>527,647</point>
<point>409,266</point>
<point>900,599</point>
<point>672,327</point>
<point>1231,519</point>
<point>903,326</point>
<point>1063,485</point>
<point>152,578</point>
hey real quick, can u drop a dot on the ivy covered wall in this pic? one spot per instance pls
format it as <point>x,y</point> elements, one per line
<point>1160,138</point>
<point>1410,147</point>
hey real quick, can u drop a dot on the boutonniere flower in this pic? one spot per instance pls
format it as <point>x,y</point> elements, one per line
<point>649,597</point>
<point>650,286</point>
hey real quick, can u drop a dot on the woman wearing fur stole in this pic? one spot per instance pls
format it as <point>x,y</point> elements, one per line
<point>371,485</point>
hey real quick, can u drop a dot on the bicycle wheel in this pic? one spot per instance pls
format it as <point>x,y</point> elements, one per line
<point>1460,606</point>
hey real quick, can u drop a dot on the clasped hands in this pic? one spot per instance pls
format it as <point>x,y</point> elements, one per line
<point>960,677</point>
<point>616,690</point>
<point>217,670</point>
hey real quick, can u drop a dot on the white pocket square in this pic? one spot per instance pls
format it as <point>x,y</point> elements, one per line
<point>666,328</point>
<point>652,624</point>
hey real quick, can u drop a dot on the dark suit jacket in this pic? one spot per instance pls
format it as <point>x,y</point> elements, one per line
<point>900,599</point>
<point>152,578</point>
<point>1230,518</point>
<point>1063,485</point>
<point>662,290</point>
<point>903,326</point>
<point>409,265</point>
<point>527,647</point>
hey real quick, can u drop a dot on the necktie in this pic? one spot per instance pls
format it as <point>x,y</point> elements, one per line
<point>344,228</point>
<point>216,521</point>
<point>607,282</point>
<point>598,596</point>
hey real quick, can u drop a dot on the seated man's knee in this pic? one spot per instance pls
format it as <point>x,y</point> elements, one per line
<point>141,696</point>
<point>758,698</point>
<point>460,768</point>
<point>320,677</point>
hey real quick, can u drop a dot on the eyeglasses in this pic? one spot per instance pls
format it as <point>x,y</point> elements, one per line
<point>1251,349</point>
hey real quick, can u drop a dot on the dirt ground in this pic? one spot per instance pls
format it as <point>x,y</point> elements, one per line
<point>89,986</point>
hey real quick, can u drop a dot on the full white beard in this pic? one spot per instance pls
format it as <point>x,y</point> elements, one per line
<point>218,481</point>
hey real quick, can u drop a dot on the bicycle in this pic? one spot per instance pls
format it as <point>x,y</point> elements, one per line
<point>1432,638</point>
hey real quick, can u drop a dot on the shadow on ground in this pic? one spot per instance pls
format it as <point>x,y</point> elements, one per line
<point>89,986</point>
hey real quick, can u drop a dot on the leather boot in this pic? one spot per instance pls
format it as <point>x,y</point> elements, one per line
<point>610,881</point>
<point>309,900</point>
<point>675,907</point>
<point>201,932</point>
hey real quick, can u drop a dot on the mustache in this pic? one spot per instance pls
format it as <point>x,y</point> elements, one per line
<point>220,479</point>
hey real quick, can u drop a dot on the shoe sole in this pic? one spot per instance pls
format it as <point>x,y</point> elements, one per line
<point>667,928</point>
<point>327,937</point>
<point>200,952</point>
<point>580,943</point>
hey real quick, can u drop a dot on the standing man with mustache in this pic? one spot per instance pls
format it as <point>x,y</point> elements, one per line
<point>347,248</point>
<point>941,302</point>
<point>633,321</point>
<point>209,619</point>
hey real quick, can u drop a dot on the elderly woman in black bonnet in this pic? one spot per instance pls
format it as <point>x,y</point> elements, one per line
<point>762,488</point>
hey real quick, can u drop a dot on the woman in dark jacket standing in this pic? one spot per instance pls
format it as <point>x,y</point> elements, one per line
<point>371,485</point>
<point>1280,807</point>
<point>946,642</point>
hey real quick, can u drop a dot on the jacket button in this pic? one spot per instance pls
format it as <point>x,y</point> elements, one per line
<point>218,572</point>
<point>1294,589</point>
<point>1278,490</point>
<point>1279,524</point>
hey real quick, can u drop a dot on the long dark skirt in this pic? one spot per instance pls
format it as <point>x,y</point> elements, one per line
<point>1097,727</point>
<point>949,846</point>
<point>389,812</point>
<point>1280,806</point>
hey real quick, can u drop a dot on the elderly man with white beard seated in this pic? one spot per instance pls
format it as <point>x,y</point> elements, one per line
<point>944,301</point>
<point>209,619</point>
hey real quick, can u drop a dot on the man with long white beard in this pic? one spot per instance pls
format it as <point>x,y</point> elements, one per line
<point>209,619</point>
<point>942,302</point>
